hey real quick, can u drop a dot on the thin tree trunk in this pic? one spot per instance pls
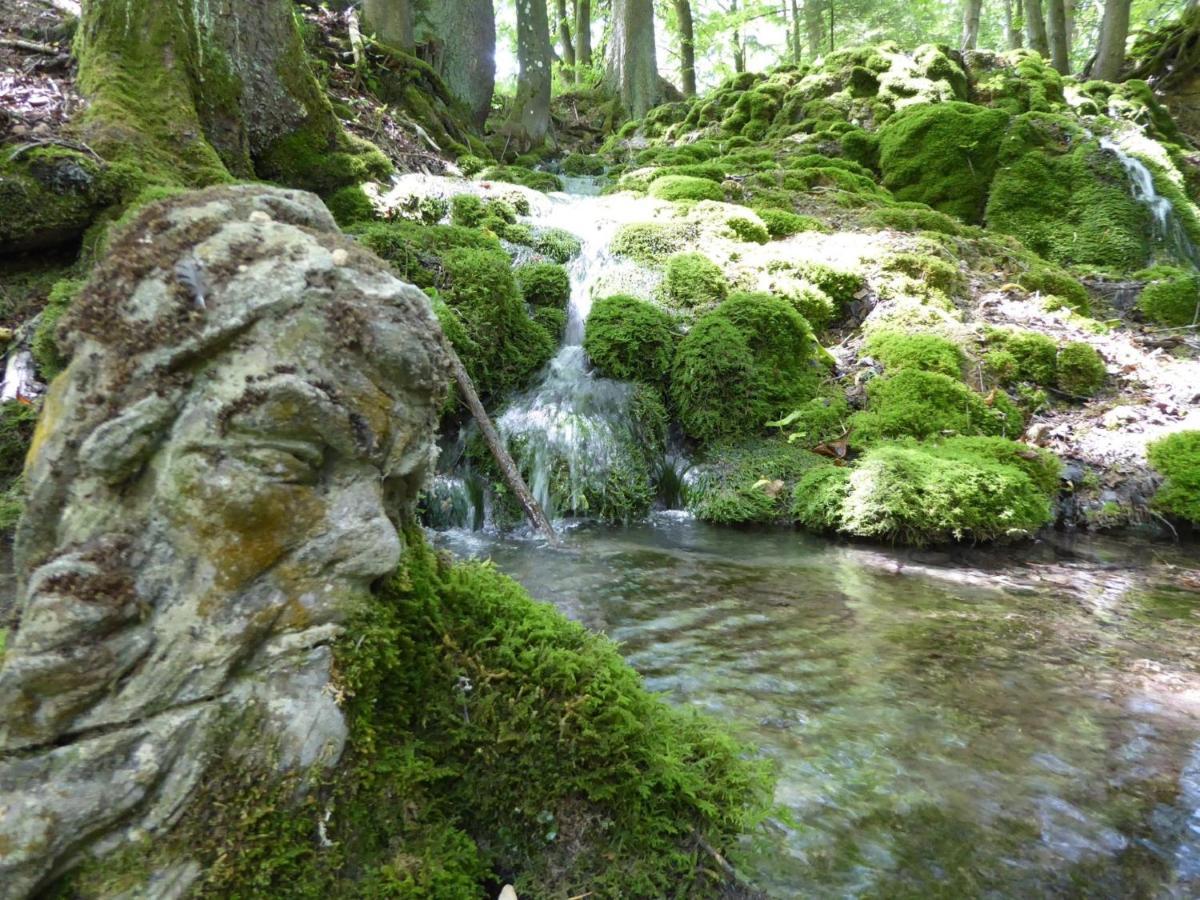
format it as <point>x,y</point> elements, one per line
<point>1069,9</point>
<point>508,467</point>
<point>391,21</point>
<point>814,26</point>
<point>831,23</point>
<point>970,32</point>
<point>796,36</point>
<point>1114,30</point>
<point>583,35</point>
<point>1012,24</point>
<point>1035,28</point>
<point>564,34</point>
<point>687,47</point>
<point>529,122</point>
<point>1056,16</point>
<point>632,61</point>
<point>787,30</point>
<point>739,52</point>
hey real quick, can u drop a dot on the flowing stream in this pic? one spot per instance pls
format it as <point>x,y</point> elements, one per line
<point>1004,723</point>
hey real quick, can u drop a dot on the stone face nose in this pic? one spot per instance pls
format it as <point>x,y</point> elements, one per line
<point>360,540</point>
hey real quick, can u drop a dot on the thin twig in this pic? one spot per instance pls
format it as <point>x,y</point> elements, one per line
<point>58,142</point>
<point>31,46</point>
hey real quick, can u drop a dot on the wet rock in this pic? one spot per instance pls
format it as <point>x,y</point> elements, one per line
<point>206,498</point>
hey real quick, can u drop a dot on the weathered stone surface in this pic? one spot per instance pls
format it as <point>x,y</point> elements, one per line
<point>252,400</point>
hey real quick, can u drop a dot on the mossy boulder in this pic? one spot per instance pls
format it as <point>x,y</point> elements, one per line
<point>747,362</point>
<point>1177,459</point>
<point>650,243</point>
<point>1066,198</point>
<point>545,182</point>
<point>956,490</point>
<point>544,284</point>
<point>920,404</point>
<point>694,281</point>
<point>747,482</point>
<point>927,352</point>
<point>583,165</point>
<point>685,187</point>
<point>1171,296</point>
<point>1080,371</point>
<point>1034,357</point>
<point>943,155</point>
<point>630,339</point>
<point>49,196</point>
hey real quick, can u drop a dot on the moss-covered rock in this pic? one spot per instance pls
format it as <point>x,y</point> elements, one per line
<point>1177,458</point>
<point>1171,296</point>
<point>739,483</point>
<point>685,187</point>
<point>49,196</point>
<point>47,353</point>
<point>544,284</point>
<point>943,155</point>
<point>1081,370</point>
<point>582,164</point>
<point>1066,198</point>
<point>1034,357</point>
<point>522,175</point>
<point>17,422</point>
<point>747,362</point>
<point>630,339</point>
<point>351,205</point>
<point>780,223</point>
<point>915,403</point>
<point>960,489</point>
<point>652,242</point>
<point>694,281</point>
<point>927,352</point>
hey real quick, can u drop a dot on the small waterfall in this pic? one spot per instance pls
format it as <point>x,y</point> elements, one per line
<point>572,434</point>
<point>1169,230</point>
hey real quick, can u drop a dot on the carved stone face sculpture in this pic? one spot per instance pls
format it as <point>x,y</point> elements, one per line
<point>251,404</point>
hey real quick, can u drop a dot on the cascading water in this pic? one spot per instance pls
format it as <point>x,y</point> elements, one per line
<point>574,434</point>
<point>1169,230</point>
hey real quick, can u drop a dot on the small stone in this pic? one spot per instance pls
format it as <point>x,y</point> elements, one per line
<point>259,216</point>
<point>508,893</point>
<point>340,257</point>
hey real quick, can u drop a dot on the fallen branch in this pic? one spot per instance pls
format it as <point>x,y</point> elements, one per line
<point>508,467</point>
<point>31,46</point>
<point>57,142</point>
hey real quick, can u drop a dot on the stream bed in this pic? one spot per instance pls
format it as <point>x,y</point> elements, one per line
<point>1012,722</point>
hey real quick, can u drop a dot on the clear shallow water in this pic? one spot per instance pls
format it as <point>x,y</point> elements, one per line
<point>1006,723</point>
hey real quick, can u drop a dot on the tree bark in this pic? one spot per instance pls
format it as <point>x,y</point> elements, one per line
<point>632,61</point>
<point>191,93</point>
<point>564,34</point>
<point>391,21</point>
<point>687,47</point>
<point>970,32</point>
<point>814,26</point>
<point>1012,24</point>
<point>508,467</point>
<point>1056,16</point>
<point>796,36</point>
<point>1114,30</point>
<point>1035,28</point>
<point>529,122</point>
<point>583,35</point>
<point>458,38</point>
<point>739,52</point>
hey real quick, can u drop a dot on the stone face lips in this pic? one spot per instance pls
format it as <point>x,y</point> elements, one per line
<point>214,481</point>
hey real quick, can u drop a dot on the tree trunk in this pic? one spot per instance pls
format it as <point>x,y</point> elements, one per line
<point>458,38</point>
<point>970,32</point>
<point>632,62</point>
<point>796,37</point>
<point>1012,24</point>
<point>1114,30</point>
<point>687,47</point>
<point>529,122</point>
<point>1069,9</point>
<point>739,52</point>
<point>564,34</point>
<point>1035,28</point>
<point>814,26</point>
<point>512,475</point>
<point>583,35</point>
<point>1056,16</point>
<point>190,93</point>
<point>391,22</point>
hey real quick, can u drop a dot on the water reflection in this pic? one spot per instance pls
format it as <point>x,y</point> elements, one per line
<point>986,724</point>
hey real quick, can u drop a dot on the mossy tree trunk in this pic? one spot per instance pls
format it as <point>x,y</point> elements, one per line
<point>1012,23</point>
<point>739,50</point>
<point>529,122</point>
<point>796,38</point>
<point>564,33</point>
<point>812,23</point>
<point>458,39</point>
<point>1056,16</point>
<point>970,32</point>
<point>687,47</point>
<point>1035,28</point>
<point>632,59</point>
<point>391,21</point>
<point>196,92</point>
<point>1114,29</point>
<point>583,36</point>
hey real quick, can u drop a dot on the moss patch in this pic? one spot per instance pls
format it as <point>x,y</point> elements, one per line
<point>1177,458</point>
<point>630,339</point>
